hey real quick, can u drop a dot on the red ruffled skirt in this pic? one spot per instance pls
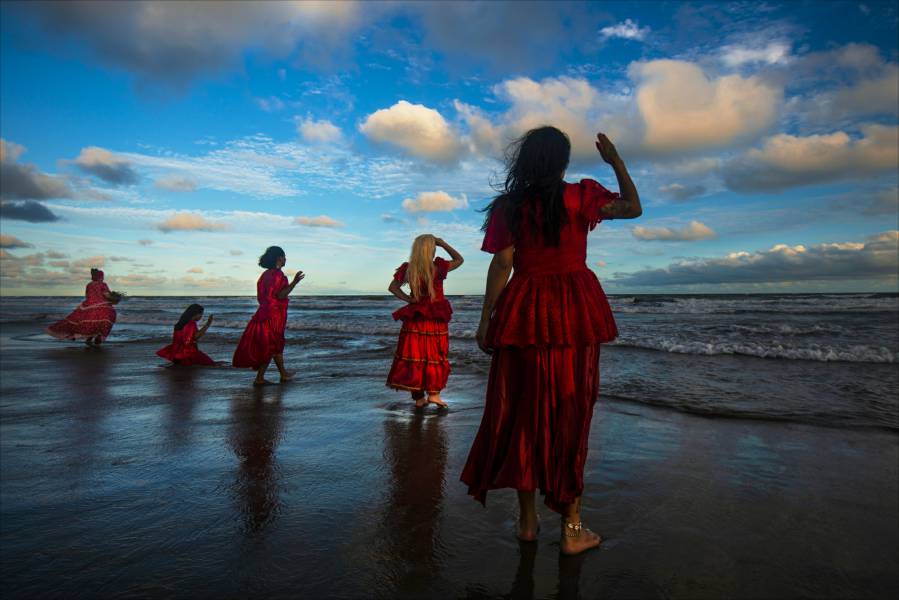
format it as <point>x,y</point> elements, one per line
<point>261,340</point>
<point>420,363</point>
<point>85,323</point>
<point>185,355</point>
<point>536,423</point>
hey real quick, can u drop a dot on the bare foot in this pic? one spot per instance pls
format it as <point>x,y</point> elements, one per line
<point>261,382</point>
<point>528,528</point>
<point>583,541</point>
<point>89,342</point>
<point>435,399</point>
<point>287,376</point>
<point>420,402</point>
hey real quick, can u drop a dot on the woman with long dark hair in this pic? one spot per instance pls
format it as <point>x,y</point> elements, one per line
<point>92,320</point>
<point>263,339</point>
<point>544,328</point>
<point>183,350</point>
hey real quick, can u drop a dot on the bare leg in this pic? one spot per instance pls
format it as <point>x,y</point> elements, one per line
<point>419,398</point>
<point>575,537</point>
<point>260,375</point>
<point>527,516</point>
<point>434,398</point>
<point>285,374</point>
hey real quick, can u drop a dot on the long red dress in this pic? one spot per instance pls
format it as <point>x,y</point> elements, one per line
<point>264,336</point>
<point>420,363</point>
<point>183,350</point>
<point>546,330</point>
<point>91,319</point>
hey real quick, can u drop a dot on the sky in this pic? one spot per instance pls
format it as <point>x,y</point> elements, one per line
<point>170,143</point>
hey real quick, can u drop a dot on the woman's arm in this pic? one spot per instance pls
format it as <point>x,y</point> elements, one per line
<point>628,206</point>
<point>204,328</point>
<point>284,292</point>
<point>396,288</point>
<point>497,277</point>
<point>454,254</point>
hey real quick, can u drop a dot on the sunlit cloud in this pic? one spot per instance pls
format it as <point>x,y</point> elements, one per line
<point>10,242</point>
<point>692,232</point>
<point>109,167</point>
<point>418,130</point>
<point>189,222</point>
<point>681,192</point>
<point>627,29</point>
<point>318,132</point>
<point>434,202</point>
<point>776,52</point>
<point>176,183</point>
<point>319,221</point>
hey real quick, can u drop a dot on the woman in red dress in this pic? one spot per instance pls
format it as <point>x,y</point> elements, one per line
<point>544,328</point>
<point>420,364</point>
<point>92,320</point>
<point>183,350</point>
<point>263,339</point>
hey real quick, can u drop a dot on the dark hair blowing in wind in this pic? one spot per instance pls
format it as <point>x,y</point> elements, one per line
<point>188,315</point>
<point>534,166</point>
<point>269,260</point>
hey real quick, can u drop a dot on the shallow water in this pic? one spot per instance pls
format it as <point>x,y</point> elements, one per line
<point>122,478</point>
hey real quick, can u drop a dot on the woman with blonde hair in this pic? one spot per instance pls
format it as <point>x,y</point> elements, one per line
<point>420,365</point>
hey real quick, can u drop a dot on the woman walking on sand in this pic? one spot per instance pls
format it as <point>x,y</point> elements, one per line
<point>544,328</point>
<point>91,320</point>
<point>263,339</point>
<point>184,350</point>
<point>420,365</point>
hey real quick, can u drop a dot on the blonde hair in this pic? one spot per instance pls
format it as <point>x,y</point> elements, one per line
<point>420,273</point>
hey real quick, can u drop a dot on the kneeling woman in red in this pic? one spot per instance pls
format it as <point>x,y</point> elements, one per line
<point>183,350</point>
<point>263,339</point>
<point>544,328</point>
<point>420,365</point>
<point>92,320</point>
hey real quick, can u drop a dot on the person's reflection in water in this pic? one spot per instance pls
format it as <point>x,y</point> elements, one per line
<point>179,386</point>
<point>415,449</point>
<point>569,575</point>
<point>256,416</point>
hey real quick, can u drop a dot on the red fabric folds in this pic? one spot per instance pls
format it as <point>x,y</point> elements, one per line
<point>437,308</point>
<point>545,330</point>
<point>91,319</point>
<point>420,363</point>
<point>183,350</point>
<point>536,423</point>
<point>263,337</point>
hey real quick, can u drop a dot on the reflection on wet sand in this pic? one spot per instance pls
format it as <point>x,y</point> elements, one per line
<point>569,575</point>
<point>256,424</point>
<point>415,450</point>
<point>181,397</point>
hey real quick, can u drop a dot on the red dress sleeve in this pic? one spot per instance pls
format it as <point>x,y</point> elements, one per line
<point>497,237</point>
<point>442,267</point>
<point>593,197</point>
<point>400,275</point>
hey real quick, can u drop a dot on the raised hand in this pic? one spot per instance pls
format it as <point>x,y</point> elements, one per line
<point>606,148</point>
<point>209,320</point>
<point>298,277</point>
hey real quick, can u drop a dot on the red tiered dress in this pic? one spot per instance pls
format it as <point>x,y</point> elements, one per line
<point>92,318</point>
<point>420,363</point>
<point>183,350</point>
<point>545,330</point>
<point>264,336</point>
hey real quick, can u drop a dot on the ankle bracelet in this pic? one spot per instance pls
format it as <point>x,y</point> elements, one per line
<point>573,529</point>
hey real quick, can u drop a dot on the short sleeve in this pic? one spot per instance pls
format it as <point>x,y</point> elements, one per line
<point>593,197</point>
<point>497,236</point>
<point>400,275</point>
<point>442,266</point>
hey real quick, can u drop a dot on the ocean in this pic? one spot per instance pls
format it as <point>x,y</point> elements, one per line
<point>822,359</point>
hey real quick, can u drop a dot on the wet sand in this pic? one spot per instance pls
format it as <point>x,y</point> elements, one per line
<point>124,479</point>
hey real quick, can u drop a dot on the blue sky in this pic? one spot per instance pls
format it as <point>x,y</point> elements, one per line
<point>171,142</point>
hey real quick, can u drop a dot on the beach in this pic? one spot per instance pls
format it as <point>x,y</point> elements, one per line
<point>710,475</point>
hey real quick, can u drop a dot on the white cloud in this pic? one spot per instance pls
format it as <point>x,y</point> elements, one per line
<point>693,232</point>
<point>195,270</point>
<point>176,183</point>
<point>680,192</point>
<point>270,104</point>
<point>26,182</point>
<point>109,167</point>
<point>875,258</point>
<point>627,29</point>
<point>319,221</point>
<point>11,241</point>
<point>774,53</point>
<point>319,132</point>
<point>683,109</point>
<point>434,202</point>
<point>787,161</point>
<point>189,222</point>
<point>10,151</point>
<point>420,131</point>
